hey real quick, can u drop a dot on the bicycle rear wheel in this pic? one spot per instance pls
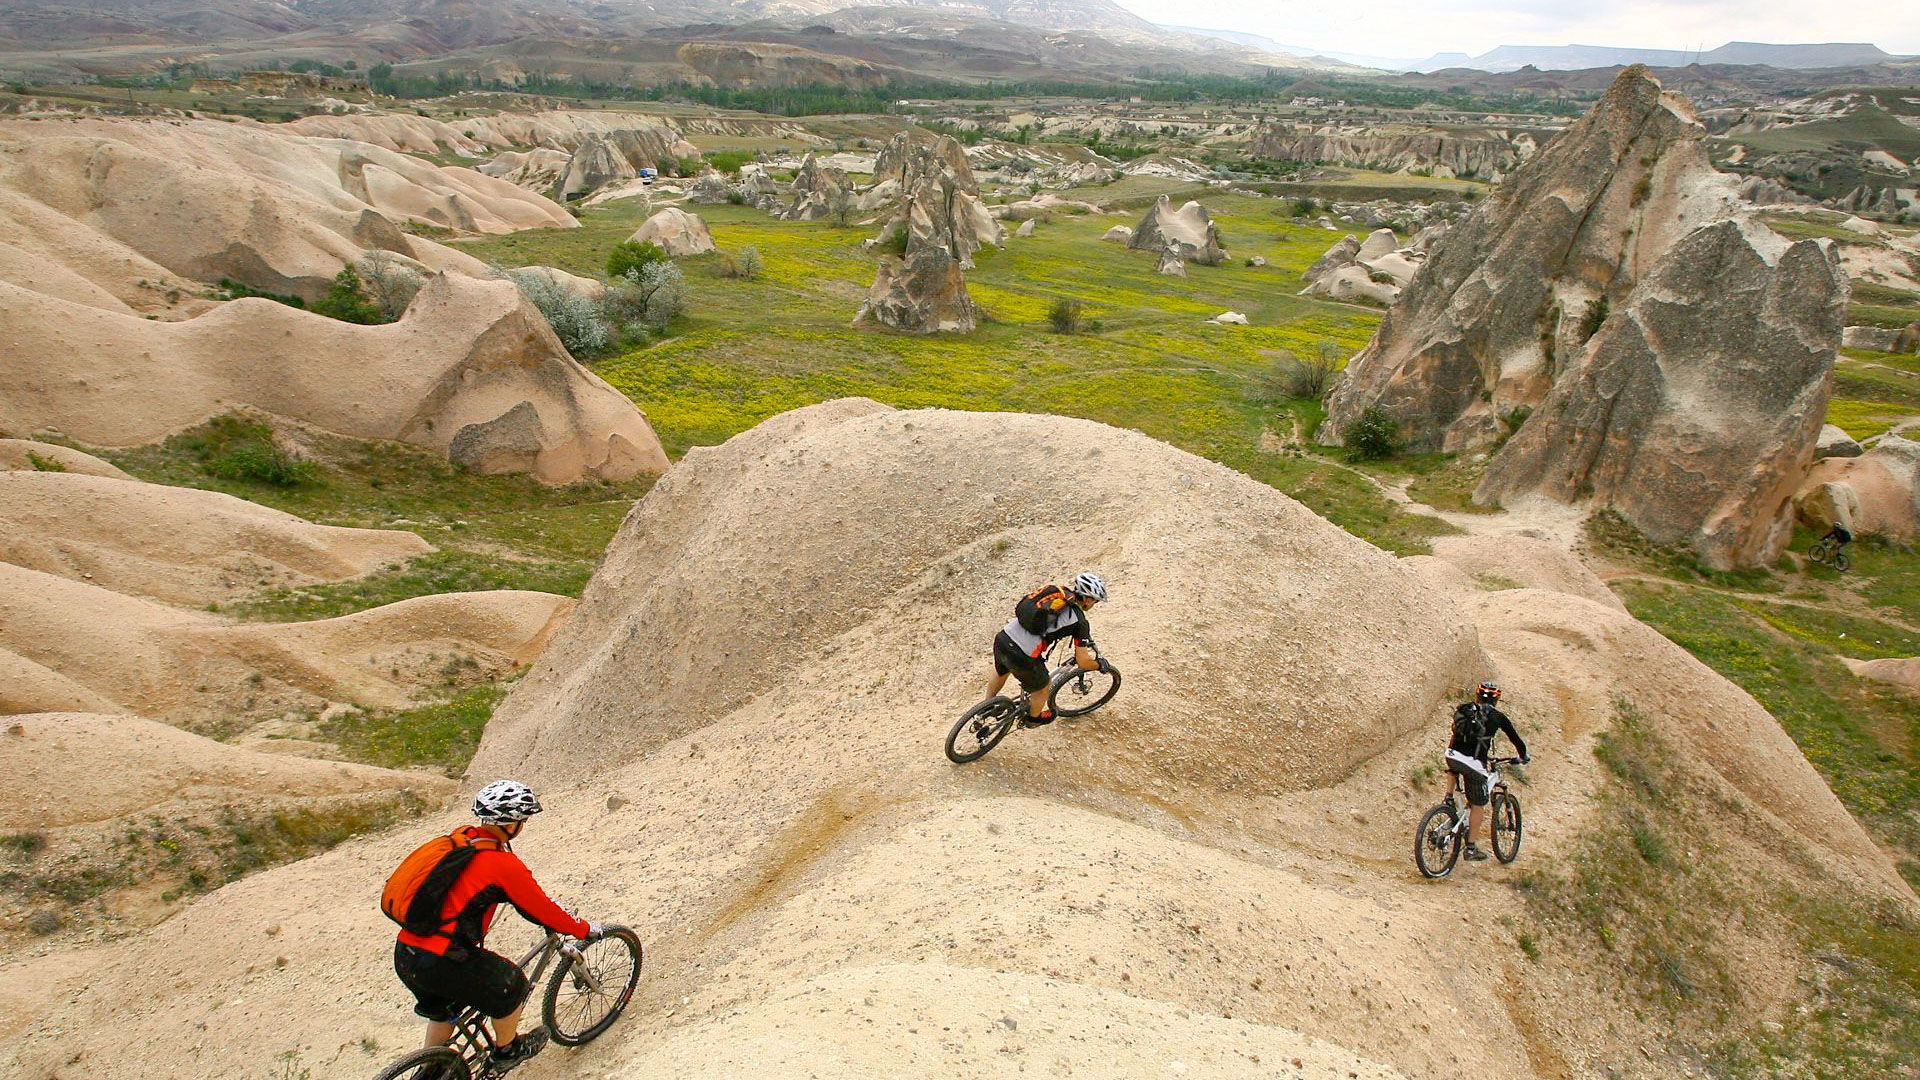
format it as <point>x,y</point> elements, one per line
<point>1436,847</point>
<point>587,995</point>
<point>981,728</point>
<point>1841,561</point>
<point>1077,693</point>
<point>1506,827</point>
<point>432,1063</point>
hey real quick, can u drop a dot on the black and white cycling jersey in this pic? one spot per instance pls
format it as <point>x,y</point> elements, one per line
<point>1069,621</point>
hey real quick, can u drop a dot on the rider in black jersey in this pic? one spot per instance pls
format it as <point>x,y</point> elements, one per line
<point>1023,653</point>
<point>1474,726</point>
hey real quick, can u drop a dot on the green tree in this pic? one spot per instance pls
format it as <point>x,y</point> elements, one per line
<point>347,301</point>
<point>632,257</point>
<point>1373,435</point>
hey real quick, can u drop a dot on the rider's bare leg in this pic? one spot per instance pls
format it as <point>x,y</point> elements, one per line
<point>1037,702</point>
<point>995,681</point>
<point>506,1027</point>
<point>438,1033</point>
<point>1475,816</point>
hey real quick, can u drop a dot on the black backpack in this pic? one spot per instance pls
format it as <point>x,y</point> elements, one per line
<point>1469,724</point>
<point>1036,609</point>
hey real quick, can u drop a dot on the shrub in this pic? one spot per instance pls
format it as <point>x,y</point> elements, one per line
<point>575,319</point>
<point>729,161</point>
<point>390,283</point>
<point>346,301</point>
<point>1307,377</point>
<point>1593,319</point>
<point>746,266</point>
<point>44,464</point>
<point>236,448</point>
<point>1373,435</point>
<point>1066,316</point>
<point>649,298</point>
<point>234,291</point>
<point>630,256</point>
<point>843,206</point>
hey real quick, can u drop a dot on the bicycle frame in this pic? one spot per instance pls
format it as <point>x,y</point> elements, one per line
<point>473,1033</point>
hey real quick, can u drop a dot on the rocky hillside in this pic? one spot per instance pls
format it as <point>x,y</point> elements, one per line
<point>1209,874</point>
<point>1624,333</point>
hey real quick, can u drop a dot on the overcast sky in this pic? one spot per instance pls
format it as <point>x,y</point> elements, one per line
<point>1417,28</point>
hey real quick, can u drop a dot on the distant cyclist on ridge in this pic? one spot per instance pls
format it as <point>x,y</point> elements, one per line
<point>1475,723</point>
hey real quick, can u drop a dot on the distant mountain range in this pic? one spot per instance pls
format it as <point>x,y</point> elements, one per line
<point>1580,57</point>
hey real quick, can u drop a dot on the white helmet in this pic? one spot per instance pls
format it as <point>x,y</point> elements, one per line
<point>505,802</point>
<point>1088,585</point>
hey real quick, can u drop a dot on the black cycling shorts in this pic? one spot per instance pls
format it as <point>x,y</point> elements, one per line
<point>1009,660</point>
<point>485,981</point>
<point>1476,783</point>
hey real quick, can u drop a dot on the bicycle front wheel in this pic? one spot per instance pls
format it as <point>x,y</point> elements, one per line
<point>981,728</point>
<point>433,1063</point>
<point>587,995</point>
<point>1506,827</point>
<point>1436,847</point>
<point>1077,693</point>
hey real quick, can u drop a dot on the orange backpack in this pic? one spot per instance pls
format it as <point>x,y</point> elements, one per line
<point>417,889</point>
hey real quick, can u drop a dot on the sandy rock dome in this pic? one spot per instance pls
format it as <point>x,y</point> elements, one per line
<point>467,354</point>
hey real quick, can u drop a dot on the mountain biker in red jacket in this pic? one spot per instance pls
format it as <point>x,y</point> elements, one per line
<point>1022,652</point>
<point>451,969</point>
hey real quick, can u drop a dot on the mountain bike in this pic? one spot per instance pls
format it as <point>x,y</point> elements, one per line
<point>1829,551</point>
<point>1070,692</point>
<point>1436,847</point>
<point>592,983</point>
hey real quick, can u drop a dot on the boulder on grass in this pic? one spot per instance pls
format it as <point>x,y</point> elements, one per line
<point>676,232</point>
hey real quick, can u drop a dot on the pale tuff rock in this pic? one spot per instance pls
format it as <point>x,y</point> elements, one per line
<point>1119,234</point>
<point>1026,227</point>
<point>1343,253</point>
<point>1823,505</point>
<point>1378,242</point>
<point>1045,204</point>
<point>676,232</point>
<point>1645,345</point>
<point>1488,154</point>
<point>1885,483</point>
<point>1373,271</point>
<point>1882,339</point>
<point>758,189</point>
<point>21,454</point>
<point>1903,672</point>
<point>1230,318</point>
<point>709,189</point>
<point>606,158</point>
<point>1695,408</point>
<point>466,352</point>
<point>1188,231</point>
<point>924,291</point>
<point>1257,260</point>
<point>1834,442</point>
<point>177,545</point>
<point>908,161</point>
<point>81,202</point>
<point>128,653</point>
<point>1171,263</point>
<point>815,189</point>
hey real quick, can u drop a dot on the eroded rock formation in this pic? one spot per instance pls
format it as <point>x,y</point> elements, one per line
<point>817,190</point>
<point>1487,154</point>
<point>676,232</point>
<point>466,365</point>
<point>1188,230</point>
<point>908,161</point>
<point>924,290</point>
<point>1645,343</point>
